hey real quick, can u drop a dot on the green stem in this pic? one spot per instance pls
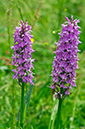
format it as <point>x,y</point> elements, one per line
<point>59,113</point>
<point>22,105</point>
<point>13,105</point>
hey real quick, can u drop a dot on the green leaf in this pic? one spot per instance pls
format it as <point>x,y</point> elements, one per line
<point>1,126</point>
<point>26,102</point>
<point>19,9</point>
<point>53,115</point>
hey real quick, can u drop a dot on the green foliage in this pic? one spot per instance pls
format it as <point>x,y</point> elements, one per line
<point>46,18</point>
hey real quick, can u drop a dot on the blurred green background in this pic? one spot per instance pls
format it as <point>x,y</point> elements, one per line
<point>45,17</point>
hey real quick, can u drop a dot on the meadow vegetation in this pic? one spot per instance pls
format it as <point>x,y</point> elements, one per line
<point>46,18</point>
